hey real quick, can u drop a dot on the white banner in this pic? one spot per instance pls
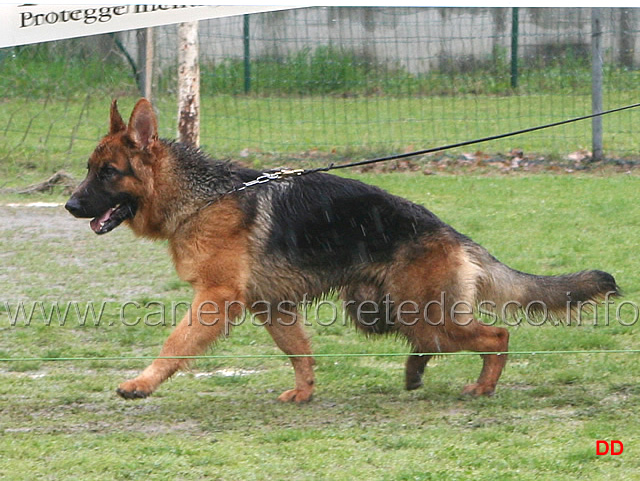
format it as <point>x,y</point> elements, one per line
<point>23,24</point>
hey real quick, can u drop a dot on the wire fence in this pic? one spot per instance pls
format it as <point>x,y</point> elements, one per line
<point>343,355</point>
<point>342,81</point>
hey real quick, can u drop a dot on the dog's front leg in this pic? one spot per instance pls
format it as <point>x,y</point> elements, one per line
<point>208,318</point>
<point>286,329</point>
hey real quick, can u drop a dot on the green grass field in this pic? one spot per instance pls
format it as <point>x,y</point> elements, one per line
<point>62,420</point>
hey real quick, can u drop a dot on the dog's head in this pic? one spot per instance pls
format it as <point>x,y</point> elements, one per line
<point>117,170</point>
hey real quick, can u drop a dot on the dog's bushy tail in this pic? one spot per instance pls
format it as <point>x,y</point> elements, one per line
<point>504,291</point>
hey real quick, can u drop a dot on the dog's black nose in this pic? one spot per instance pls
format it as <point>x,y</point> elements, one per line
<point>73,206</point>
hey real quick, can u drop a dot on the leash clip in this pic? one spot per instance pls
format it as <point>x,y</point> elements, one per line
<point>268,177</point>
<point>289,172</point>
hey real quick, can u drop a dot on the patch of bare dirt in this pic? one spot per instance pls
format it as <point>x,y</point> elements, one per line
<point>473,162</point>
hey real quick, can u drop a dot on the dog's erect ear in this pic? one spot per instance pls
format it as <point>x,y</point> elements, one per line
<point>117,124</point>
<point>143,126</point>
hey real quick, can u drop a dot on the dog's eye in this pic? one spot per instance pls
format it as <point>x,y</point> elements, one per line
<point>108,172</point>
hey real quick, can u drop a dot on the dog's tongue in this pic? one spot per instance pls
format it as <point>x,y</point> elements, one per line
<point>97,223</point>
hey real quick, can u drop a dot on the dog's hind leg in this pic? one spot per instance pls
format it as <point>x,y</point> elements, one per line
<point>207,319</point>
<point>414,369</point>
<point>286,329</point>
<point>483,338</point>
<point>463,334</point>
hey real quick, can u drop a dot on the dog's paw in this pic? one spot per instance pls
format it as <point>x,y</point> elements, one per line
<point>134,389</point>
<point>296,395</point>
<point>412,384</point>
<point>476,389</point>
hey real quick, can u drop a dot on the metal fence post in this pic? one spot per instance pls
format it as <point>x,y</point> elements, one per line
<point>247,56</point>
<point>514,46</point>
<point>596,83</point>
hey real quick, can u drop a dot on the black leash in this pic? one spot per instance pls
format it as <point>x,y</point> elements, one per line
<point>283,173</point>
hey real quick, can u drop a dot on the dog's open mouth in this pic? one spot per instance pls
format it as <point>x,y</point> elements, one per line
<point>113,217</point>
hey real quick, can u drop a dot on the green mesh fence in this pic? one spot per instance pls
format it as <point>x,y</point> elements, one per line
<point>341,81</point>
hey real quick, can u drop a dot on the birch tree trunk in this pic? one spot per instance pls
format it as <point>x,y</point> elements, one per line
<point>148,64</point>
<point>188,84</point>
<point>144,70</point>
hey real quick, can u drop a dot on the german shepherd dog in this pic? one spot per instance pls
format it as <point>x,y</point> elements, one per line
<point>279,243</point>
